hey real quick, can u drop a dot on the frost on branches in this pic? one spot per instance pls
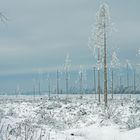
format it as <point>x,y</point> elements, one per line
<point>98,43</point>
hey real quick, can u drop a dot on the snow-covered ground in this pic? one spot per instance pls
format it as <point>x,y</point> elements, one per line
<point>69,118</point>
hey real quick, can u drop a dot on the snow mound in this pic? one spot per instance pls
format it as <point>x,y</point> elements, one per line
<point>106,133</point>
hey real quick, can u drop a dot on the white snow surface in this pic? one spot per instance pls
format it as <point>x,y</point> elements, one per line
<point>69,118</point>
<point>107,133</point>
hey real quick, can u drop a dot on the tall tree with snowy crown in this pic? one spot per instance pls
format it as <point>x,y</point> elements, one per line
<point>103,21</point>
<point>98,41</point>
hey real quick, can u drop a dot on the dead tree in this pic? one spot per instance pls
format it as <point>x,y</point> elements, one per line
<point>99,84</point>
<point>98,41</point>
<point>115,63</point>
<point>57,83</point>
<point>67,68</point>
<point>94,70</point>
<point>102,22</point>
<point>134,81</point>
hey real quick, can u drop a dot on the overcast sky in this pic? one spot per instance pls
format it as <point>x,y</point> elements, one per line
<point>39,33</point>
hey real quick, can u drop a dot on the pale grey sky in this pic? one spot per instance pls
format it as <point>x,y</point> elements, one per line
<point>39,33</point>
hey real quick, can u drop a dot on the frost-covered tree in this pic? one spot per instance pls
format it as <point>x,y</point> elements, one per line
<point>128,67</point>
<point>39,81</point>
<point>98,41</point>
<point>34,88</point>
<point>18,91</point>
<point>134,81</point>
<point>57,83</point>
<point>49,86</point>
<point>82,80</point>
<point>67,69</point>
<point>94,80</point>
<point>115,63</point>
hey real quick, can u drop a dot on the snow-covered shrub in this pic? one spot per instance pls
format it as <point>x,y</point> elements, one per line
<point>1,114</point>
<point>133,121</point>
<point>112,114</point>
<point>11,112</point>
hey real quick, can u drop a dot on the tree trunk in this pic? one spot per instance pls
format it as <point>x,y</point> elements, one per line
<point>99,88</point>
<point>112,75</point>
<point>134,82</point>
<point>57,82</point>
<point>39,87</point>
<point>81,83</point>
<point>127,76</point>
<point>34,91</point>
<point>49,87</point>
<point>66,81</point>
<point>95,81</point>
<point>105,67</point>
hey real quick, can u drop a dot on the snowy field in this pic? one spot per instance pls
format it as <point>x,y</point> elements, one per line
<point>69,117</point>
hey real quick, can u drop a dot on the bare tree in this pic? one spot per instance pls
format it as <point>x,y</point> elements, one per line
<point>134,81</point>
<point>49,86</point>
<point>128,67</point>
<point>98,40</point>
<point>99,67</point>
<point>67,68</point>
<point>94,70</point>
<point>39,81</point>
<point>81,80</point>
<point>114,65</point>
<point>34,88</point>
<point>57,83</point>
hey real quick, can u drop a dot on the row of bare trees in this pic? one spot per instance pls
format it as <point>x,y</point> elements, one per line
<point>98,44</point>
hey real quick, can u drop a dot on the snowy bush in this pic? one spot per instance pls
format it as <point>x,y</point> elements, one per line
<point>30,121</point>
<point>1,114</point>
<point>11,112</point>
<point>133,121</point>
